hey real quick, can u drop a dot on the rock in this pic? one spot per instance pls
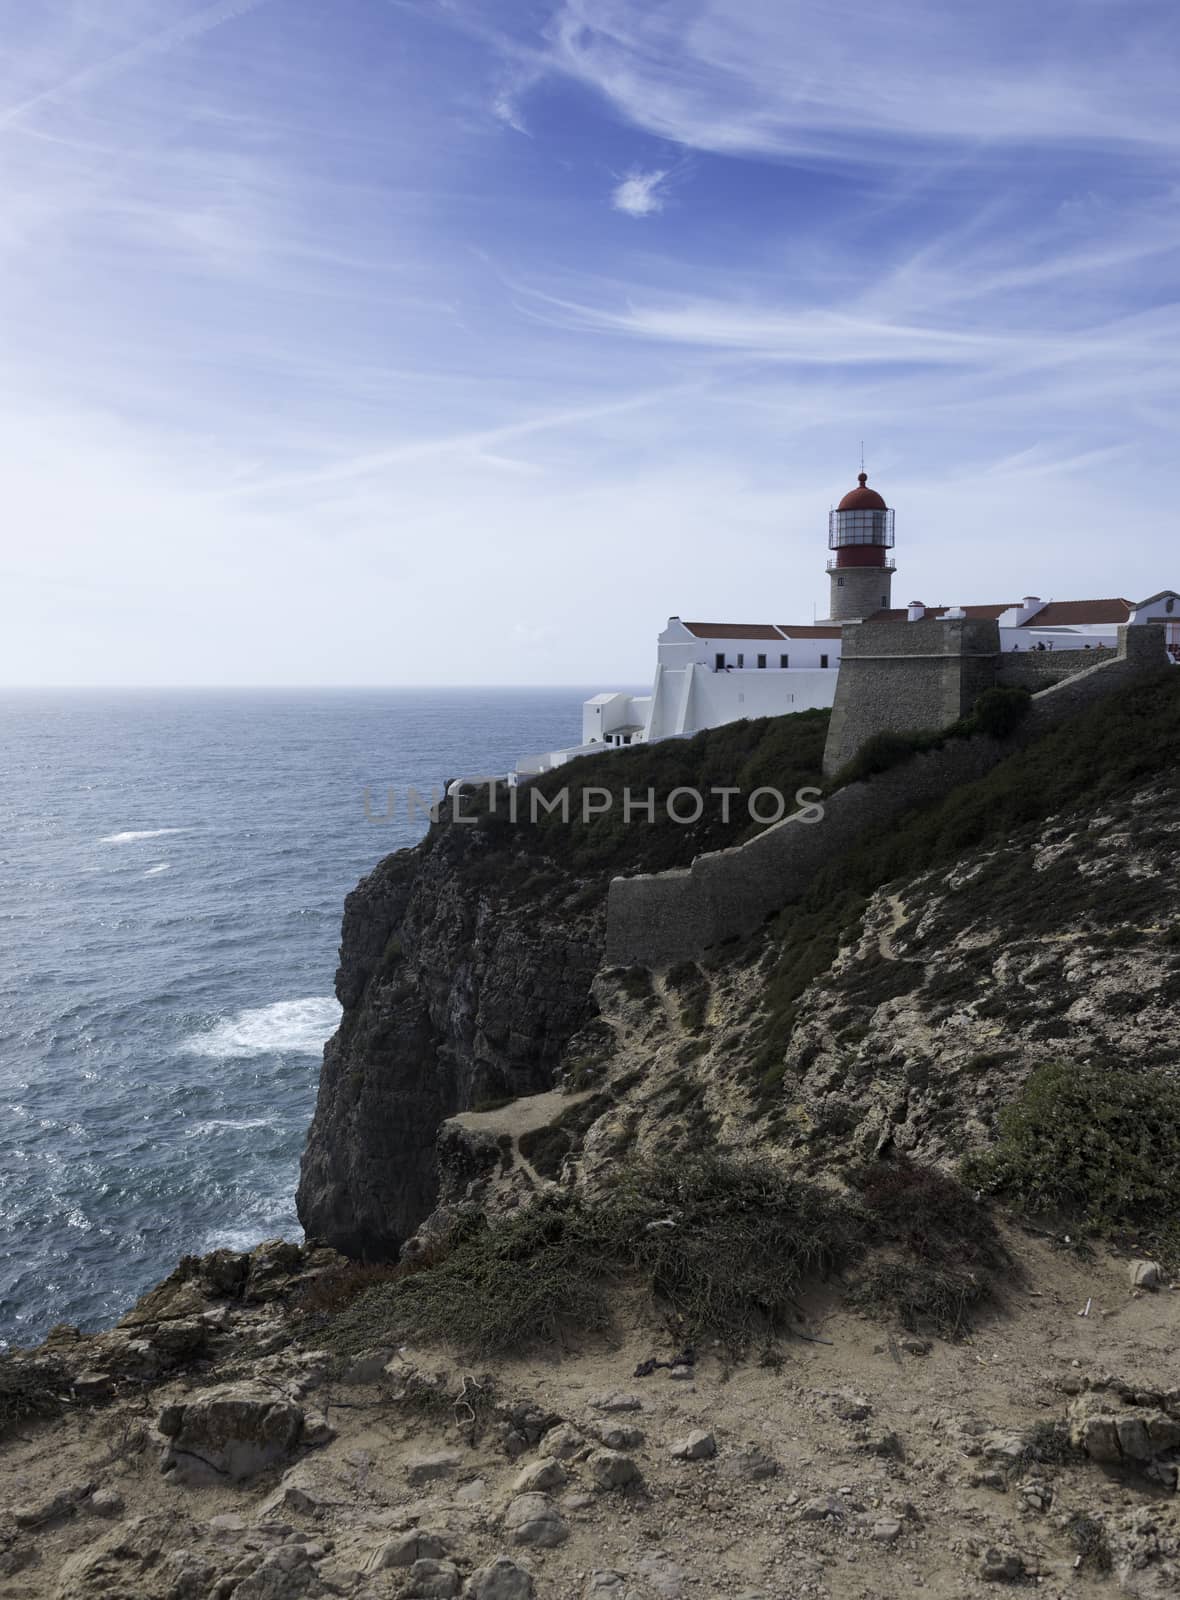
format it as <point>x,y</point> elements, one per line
<point>610,1469</point>
<point>1093,1429</point>
<point>177,1298</point>
<point>367,1368</point>
<point>181,1340</point>
<point>1003,1449</point>
<point>232,1432</point>
<point>1108,1435</point>
<point>822,1507</point>
<point>272,1265</point>
<point>408,1548</point>
<point>851,1408</point>
<point>662,1575</point>
<point>1001,1566</point>
<point>310,1488</point>
<point>685,1374</point>
<point>472,1492</point>
<point>92,1385</point>
<point>543,1474</point>
<point>750,1465</point>
<point>1036,1497</point>
<point>577,1501</point>
<point>63,1504</point>
<point>563,1443</point>
<point>885,1530</point>
<point>427,1469</point>
<point>915,1347</point>
<point>1145,1275</point>
<point>617,1436</point>
<point>105,1503</point>
<point>696,1446</point>
<point>501,1579</point>
<point>433,1580</point>
<point>317,1430</point>
<point>617,1402</point>
<point>129,1562</point>
<point>224,1272</point>
<point>604,1584</point>
<point>534,1519</point>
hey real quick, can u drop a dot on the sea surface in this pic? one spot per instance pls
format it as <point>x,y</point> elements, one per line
<point>173,867</point>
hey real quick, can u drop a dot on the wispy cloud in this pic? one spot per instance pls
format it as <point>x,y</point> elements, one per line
<point>183,31</point>
<point>297,361</point>
<point>740,76</point>
<point>640,194</point>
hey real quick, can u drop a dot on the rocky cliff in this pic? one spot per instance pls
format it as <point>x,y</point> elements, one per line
<point>466,964</point>
<point>454,993</point>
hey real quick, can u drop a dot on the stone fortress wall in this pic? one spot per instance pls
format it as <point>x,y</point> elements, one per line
<point>900,677</point>
<point>657,919</point>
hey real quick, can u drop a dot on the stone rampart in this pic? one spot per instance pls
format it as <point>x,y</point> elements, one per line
<point>657,919</point>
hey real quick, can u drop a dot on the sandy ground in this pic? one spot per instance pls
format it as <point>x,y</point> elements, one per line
<point>850,1513</point>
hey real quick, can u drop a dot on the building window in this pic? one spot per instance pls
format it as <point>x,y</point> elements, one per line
<point>741,660</point>
<point>761,661</point>
<point>823,661</point>
<point>1170,607</point>
<point>719,661</point>
<point>784,661</point>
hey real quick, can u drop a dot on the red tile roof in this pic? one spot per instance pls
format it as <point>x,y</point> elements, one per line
<point>733,630</point>
<point>988,613</point>
<point>1070,613</point>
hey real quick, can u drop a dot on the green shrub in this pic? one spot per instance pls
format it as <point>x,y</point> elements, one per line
<point>999,711</point>
<point>936,1248</point>
<point>1099,1146</point>
<point>725,1247</point>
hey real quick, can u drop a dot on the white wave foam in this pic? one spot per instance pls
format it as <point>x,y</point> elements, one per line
<point>220,1124</point>
<point>144,833</point>
<point>298,1027</point>
<point>160,866</point>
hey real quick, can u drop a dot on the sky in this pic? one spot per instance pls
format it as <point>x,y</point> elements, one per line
<point>465,341</point>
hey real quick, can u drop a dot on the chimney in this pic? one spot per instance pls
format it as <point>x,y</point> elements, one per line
<point>915,611</point>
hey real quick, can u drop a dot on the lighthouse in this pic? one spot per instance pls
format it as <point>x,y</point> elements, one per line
<point>860,532</point>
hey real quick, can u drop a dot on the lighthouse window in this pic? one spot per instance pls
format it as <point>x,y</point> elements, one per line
<point>839,583</point>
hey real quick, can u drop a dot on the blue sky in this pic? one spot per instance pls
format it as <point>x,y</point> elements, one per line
<point>435,341</point>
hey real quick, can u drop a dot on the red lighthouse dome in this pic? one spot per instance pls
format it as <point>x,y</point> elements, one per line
<point>862,499</point>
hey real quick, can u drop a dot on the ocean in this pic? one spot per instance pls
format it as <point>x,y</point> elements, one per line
<point>173,867</point>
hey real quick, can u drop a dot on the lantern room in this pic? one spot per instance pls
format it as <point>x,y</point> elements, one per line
<point>860,530</point>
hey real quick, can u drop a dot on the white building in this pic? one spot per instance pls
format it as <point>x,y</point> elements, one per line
<point>710,673</point>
